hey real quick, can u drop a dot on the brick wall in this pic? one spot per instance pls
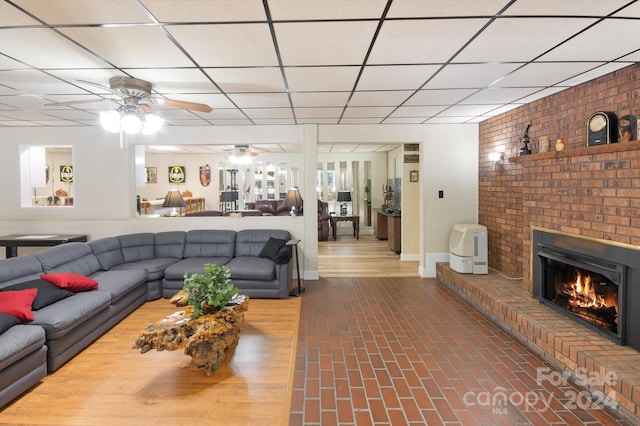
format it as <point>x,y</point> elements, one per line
<point>589,191</point>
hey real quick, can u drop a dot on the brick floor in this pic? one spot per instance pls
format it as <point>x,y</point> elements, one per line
<point>409,351</point>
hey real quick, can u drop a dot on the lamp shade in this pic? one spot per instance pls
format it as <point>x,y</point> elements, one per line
<point>344,196</point>
<point>293,198</point>
<point>173,199</point>
<point>228,196</point>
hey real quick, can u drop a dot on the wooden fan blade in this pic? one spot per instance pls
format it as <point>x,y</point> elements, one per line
<point>181,104</point>
<point>84,101</point>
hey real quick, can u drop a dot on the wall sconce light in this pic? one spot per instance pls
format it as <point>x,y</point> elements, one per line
<point>496,157</point>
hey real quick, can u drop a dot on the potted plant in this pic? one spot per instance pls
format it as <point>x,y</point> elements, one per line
<point>210,291</point>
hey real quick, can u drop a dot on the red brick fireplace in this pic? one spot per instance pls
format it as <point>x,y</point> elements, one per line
<point>586,191</point>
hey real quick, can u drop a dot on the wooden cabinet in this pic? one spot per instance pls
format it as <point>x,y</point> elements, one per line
<point>388,227</point>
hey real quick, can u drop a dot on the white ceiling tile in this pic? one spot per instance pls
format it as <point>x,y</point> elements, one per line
<point>234,80</point>
<point>318,112</point>
<point>21,102</point>
<point>467,110</point>
<point>400,77</point>
<point>323,43</point>
<point>373,112</point>
<point>596,72</point>
<point>457,76</point>
<point>62,12</point>
<point>36,82</point>
<point>274,122</point>
<point>348,120</point>
<point>544,74</point>
<point>520,39</point>
<point>605,41</point>
<point>227,45</point>
<point>317,121</point>
<point>631,11</point>
<point>496,95</point>
<point>380,98</point>
<point>439,96</point>
<point>555,7</point>
<point>326,9</point>
<point>449,120</point>
<point>325,79</point>
<point>417,111</point>
<point>200,11</point>
<point>404,120</point>
<point>258,113</point>
<point>541,94</point>
<point>53,50</point>
<point>415,42</point>
<point>260,100</point>
<point>431,8</point>
<point>318,99</point>
<point>150,49</point>
<point>11,16</point>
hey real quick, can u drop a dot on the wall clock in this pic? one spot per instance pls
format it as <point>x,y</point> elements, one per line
<point>602,128</point>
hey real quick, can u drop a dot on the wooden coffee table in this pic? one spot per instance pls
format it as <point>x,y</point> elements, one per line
<point>204,338</point>
<point>346,218</point>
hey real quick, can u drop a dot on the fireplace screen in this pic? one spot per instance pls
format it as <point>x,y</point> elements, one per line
<point>589,295</point>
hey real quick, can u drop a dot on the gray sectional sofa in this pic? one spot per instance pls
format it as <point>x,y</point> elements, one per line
<point>129,269</point>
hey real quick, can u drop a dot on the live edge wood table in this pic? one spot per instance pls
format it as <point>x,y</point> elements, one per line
<point>204,338</point>
<point>12,242</point>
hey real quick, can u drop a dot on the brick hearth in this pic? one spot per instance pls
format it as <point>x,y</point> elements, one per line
<point>564,343</point>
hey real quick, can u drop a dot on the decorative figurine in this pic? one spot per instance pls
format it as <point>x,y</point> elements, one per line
<point>525,140</point>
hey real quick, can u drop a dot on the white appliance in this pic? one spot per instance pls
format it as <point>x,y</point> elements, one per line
<point>468,249</point>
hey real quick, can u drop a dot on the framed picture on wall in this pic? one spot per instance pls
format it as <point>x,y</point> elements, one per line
<point>150,175</point>
<point>413,176</point>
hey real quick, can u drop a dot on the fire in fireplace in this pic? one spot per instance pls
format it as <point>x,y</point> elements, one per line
<point>592,282</point>
<point>590,296</point>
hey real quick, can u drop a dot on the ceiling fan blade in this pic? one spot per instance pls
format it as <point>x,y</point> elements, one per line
<point>181,104</point>
<point>84,101</point>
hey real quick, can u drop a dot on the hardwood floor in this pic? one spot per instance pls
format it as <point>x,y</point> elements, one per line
<point>366,257</point>
<point>110,383</point>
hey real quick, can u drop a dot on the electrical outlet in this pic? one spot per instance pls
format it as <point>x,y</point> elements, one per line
<point>441,194</point>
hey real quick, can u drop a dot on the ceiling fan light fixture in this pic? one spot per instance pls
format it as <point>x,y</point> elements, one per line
<point>110,121</point>
<point>131,124</point>
<point>152,123</point>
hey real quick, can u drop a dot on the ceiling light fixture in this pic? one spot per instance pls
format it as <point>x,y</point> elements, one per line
<point>131,119</point>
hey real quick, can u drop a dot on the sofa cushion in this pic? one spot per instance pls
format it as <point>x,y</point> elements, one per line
<point>136,247</point>
<point>47,292</point>
<point>18,342</point>
<point>7,321</point>
<point>192,265</point>
<point>251,268</point>
<point>250,242</point>
<point>17,269</point>
<point>18,303</point>
<point>107,251</point>
<point>70,281</point>
<point>210,243</point>
<point>68,257</point>
<point>69,313</point>
<point>120,283</point>
<point>170,244</point>
<point>154,268</point>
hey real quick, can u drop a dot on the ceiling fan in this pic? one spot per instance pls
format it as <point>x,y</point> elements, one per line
<point>246,150</point>
<point>241,154</point>
<point>135,93</point>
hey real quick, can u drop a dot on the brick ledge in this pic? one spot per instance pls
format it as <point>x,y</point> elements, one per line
<point>558,339</point>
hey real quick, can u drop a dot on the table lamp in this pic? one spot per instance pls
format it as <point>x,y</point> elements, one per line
<point>173,199</point>
<point>344,197</point>
<point>293,200</point>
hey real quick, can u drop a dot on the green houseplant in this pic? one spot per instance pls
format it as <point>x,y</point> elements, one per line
<point>210,291</point>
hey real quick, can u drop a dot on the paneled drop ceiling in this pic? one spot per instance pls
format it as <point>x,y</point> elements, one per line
<point>285,62</point>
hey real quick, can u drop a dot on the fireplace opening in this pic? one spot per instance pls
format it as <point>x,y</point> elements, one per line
<point>590,296</point>
<point>596,283</point>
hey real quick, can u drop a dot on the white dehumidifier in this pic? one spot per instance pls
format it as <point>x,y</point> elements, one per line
<point>468,249</point>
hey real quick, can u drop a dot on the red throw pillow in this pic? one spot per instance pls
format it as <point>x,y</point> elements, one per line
<point>18,303</point>
<point>70,281</point>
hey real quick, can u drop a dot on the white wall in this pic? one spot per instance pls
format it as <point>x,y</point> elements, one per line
<point>105,186</point>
